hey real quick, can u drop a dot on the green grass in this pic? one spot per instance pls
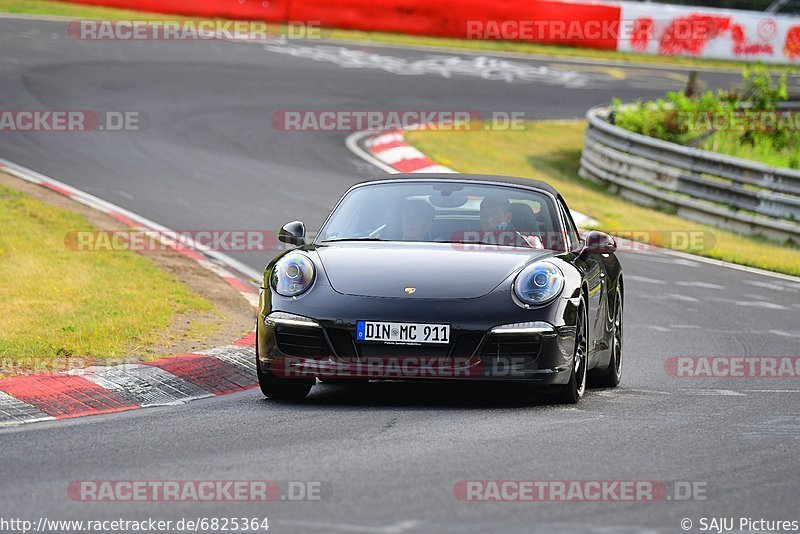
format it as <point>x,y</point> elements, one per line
<point>763,151</point>
<point>51,8</point>
<point>550,151</point>
<point>57,303</point>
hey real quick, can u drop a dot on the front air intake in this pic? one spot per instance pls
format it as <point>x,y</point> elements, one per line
<point>301,342</point>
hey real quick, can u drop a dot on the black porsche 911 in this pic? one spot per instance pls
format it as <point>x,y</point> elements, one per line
<point>443,277</point>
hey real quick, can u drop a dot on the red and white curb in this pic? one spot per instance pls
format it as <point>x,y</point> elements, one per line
<point>390,152</point>
<point>107,389</point>
<point>392,149</point>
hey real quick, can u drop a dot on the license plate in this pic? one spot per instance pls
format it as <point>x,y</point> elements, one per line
<point>402,332</point>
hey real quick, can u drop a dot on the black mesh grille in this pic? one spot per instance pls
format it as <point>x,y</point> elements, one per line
<point>466,345</point>
<point>302,342</point>
<point>342,342</point>
<point>519,347</point>
<point>344,346</point>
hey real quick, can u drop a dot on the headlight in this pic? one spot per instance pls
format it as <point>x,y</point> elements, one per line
<point>292,275</point>
<point>538,283</point>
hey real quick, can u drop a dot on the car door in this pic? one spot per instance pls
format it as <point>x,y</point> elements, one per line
<point>595,276</point>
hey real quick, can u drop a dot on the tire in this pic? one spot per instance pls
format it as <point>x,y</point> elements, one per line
<point>282,388</point>
<point>572,391</point>
<point>277,388</point>
<point>612,375</point>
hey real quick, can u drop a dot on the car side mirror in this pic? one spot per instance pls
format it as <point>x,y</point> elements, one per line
<point>293,233</point>
<point>599,243</point>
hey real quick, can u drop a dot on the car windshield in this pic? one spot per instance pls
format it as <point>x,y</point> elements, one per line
<point>446,212</point>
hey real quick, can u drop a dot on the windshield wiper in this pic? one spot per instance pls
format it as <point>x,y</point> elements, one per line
<point>338,239</point>
<point>494,244</point>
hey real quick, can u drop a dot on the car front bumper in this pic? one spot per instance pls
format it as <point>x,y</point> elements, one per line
<point>322,343</point>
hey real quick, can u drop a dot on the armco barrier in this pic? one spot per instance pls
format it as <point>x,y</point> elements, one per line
<point>740,195</point>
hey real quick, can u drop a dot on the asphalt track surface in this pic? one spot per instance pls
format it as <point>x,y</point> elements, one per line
<point>389,454</point>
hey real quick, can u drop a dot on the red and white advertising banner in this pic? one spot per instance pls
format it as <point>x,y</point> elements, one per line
<point>709,33</point>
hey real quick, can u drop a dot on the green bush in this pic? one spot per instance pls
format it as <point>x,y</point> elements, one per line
<point>722,121</point>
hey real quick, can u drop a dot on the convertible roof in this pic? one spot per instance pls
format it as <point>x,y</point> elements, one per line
<point>458,177</point>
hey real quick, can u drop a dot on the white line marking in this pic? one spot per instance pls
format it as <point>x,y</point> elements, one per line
<point>761,304</point>
<point>541,57</point>
<point>654,391</point>
<point>449,65</point>
<point>777,286</point>
<point>784,333</point>
<point>720,263</point>
<point>713,392</point>
<point>44,18</point>
<point>682,298</point>
<point>749,303</point>
<point>699,284</point>
<point>644,279</point>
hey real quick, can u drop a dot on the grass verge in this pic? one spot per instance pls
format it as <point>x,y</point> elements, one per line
<point>61,308</point>
<point>761,150</point>
<point>550,151</point>
<point>65,9</point>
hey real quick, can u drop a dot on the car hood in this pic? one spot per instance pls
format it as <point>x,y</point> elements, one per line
<point>433,270</point>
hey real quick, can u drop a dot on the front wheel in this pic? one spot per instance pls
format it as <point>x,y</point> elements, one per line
<point>611,377</point>
<point>572,391</point>
<point>277,388</point>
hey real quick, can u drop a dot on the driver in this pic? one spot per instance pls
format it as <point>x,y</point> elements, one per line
<point>418,218</point>
<point>496,218</point>
<point>496,215</point>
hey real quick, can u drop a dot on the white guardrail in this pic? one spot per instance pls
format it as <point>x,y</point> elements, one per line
<point>730,193</point>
